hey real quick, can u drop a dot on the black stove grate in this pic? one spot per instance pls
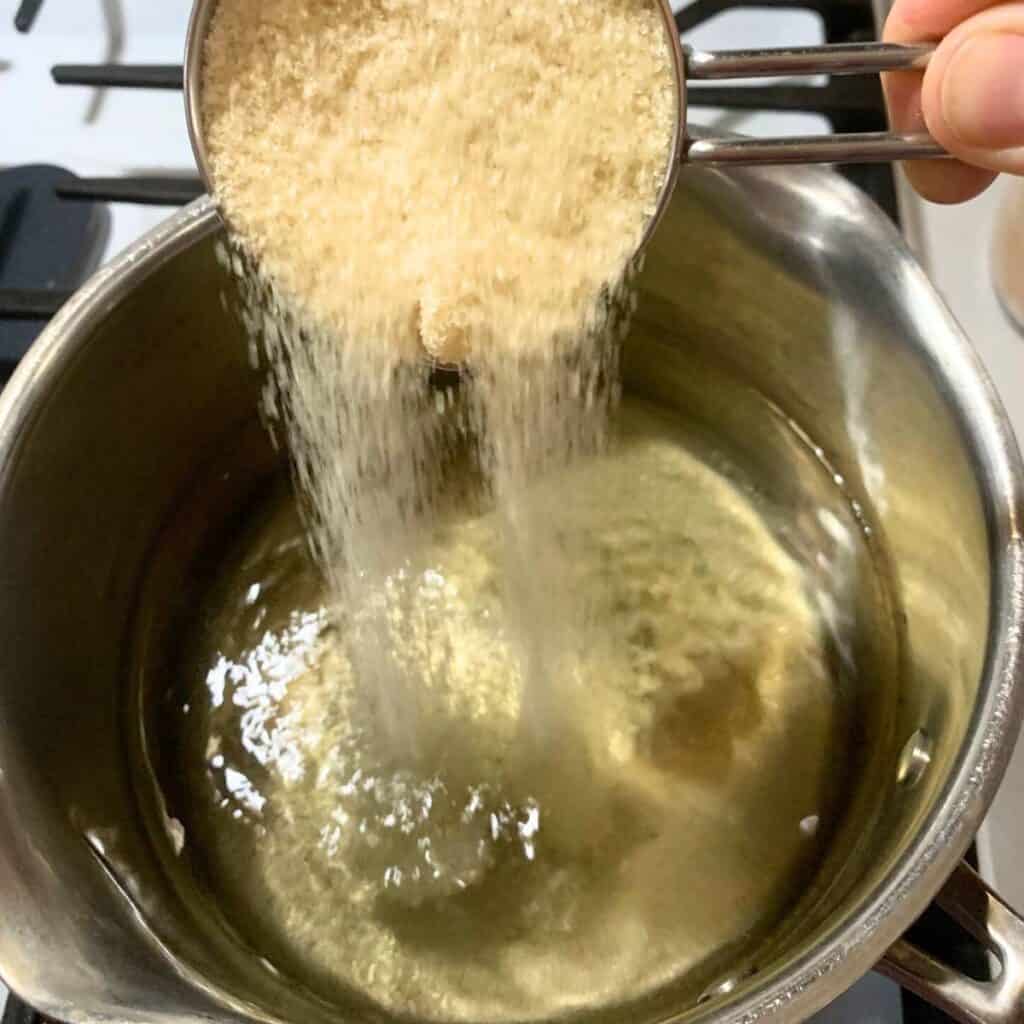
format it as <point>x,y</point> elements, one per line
<point>25,16</point>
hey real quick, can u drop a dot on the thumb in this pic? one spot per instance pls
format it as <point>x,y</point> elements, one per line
<point>973,98</point>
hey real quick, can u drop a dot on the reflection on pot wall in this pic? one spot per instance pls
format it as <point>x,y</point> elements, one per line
<point>1008,254</point>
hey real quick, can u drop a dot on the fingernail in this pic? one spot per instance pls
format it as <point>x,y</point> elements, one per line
<point>983,91</point>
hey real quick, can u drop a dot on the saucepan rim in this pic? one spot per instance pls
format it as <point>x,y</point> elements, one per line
<point>854,944</point>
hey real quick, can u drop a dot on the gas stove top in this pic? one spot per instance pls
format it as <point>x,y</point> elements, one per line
<point>98,154</point>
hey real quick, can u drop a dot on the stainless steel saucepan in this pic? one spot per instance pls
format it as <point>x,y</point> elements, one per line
<point>799,318</point>
<point>692,65</point>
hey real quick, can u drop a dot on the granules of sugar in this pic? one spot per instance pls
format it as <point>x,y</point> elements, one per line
<point>457,175</point>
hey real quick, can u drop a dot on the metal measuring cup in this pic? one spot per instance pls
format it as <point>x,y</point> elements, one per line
<point>694,65</point>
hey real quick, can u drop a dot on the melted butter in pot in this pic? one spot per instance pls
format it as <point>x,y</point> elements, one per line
<point>675,803</point>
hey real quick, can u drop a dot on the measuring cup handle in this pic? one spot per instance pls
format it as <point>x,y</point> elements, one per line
<point>851,148</point>
<point>846,59</point>
<point>837,59</point>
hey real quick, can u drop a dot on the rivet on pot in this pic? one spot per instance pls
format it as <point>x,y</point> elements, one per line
<point>915,758</point>
<point>723,988</point>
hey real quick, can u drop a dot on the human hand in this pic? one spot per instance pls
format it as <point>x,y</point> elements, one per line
<point>971,98</point>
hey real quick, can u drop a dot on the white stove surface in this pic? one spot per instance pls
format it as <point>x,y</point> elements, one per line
<point>97,132</point>
<point>121,131</point>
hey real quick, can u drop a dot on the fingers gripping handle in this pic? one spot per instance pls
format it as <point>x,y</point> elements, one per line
<point>848,59</point>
